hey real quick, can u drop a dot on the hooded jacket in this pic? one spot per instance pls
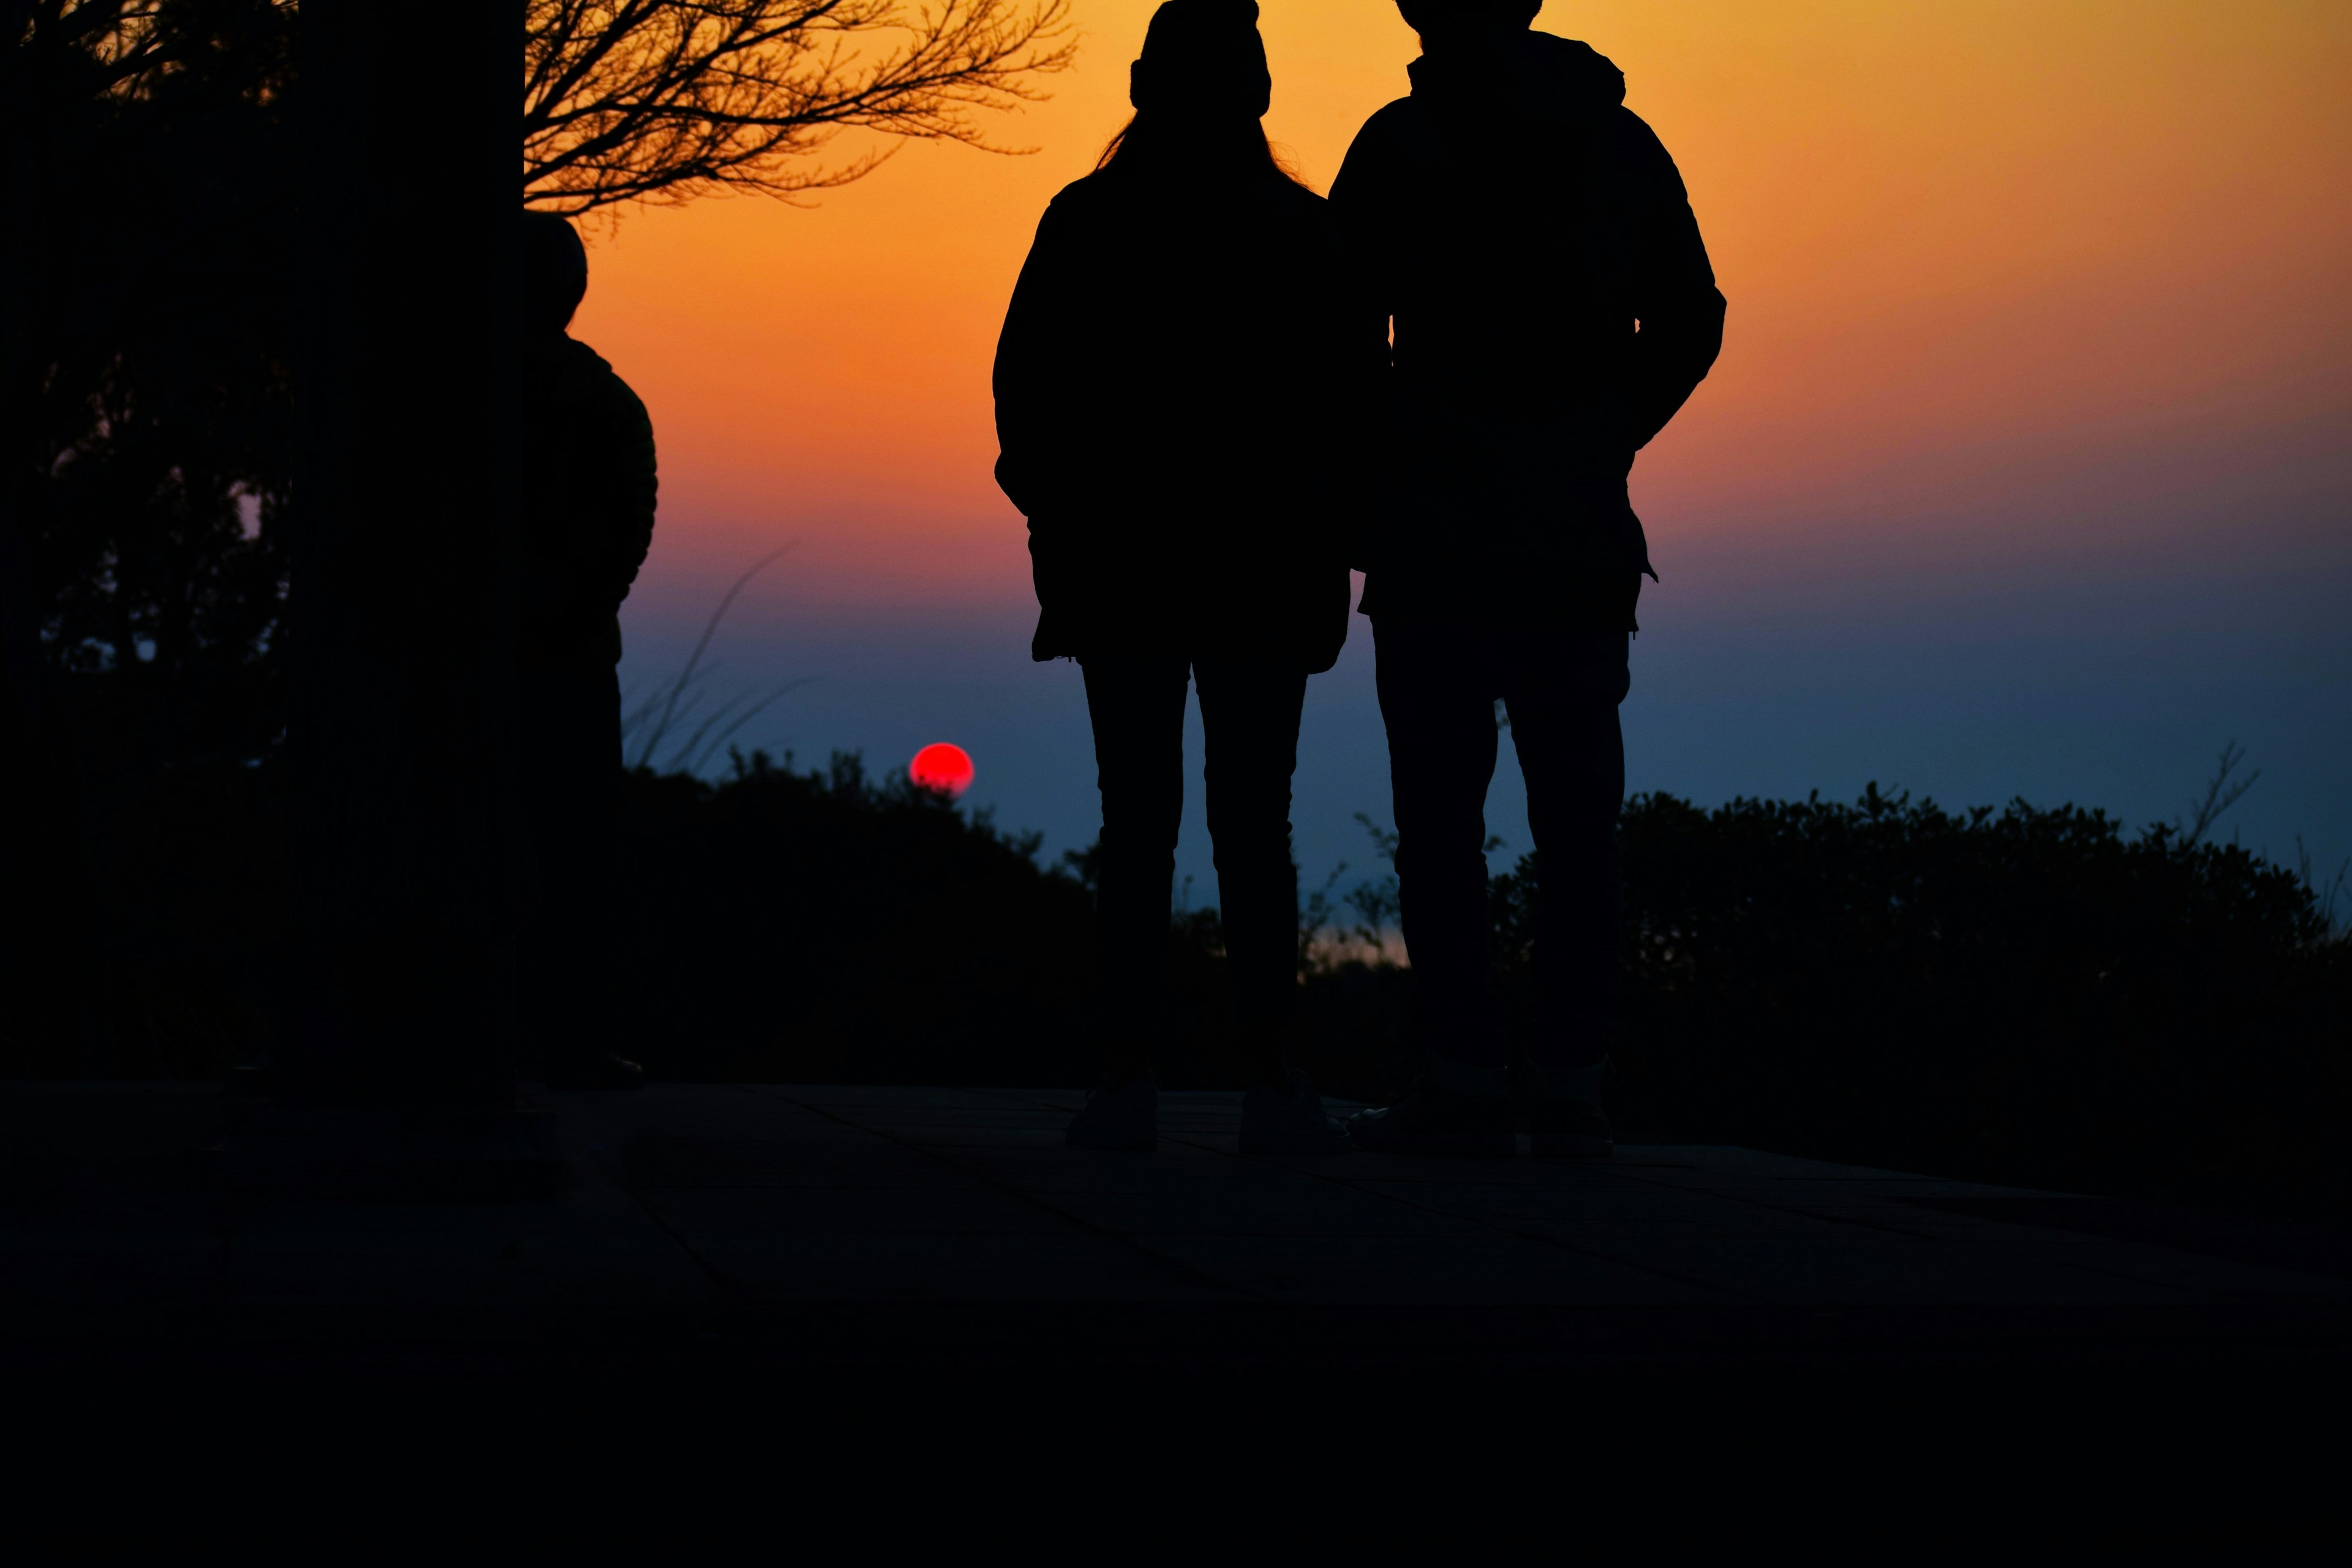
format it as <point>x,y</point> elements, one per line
<point>1552,307</point>
<point>1182,369</point>
<point>589,486</point>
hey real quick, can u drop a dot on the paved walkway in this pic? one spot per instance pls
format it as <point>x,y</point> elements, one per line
<point>935,1221</point>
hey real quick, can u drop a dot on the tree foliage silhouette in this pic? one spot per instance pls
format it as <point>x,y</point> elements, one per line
<point>146,377</point>
<point>147,324</point>
<point>665,100</point>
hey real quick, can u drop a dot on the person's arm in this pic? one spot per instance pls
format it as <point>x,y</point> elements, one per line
<point>638,489</point>
<point>1675,300</point>
<point>1363,200</point>
<point>1044,438</point>
<point>1032,377</point>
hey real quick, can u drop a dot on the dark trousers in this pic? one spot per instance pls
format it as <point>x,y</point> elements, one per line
<point>1439,682</point>
<point>570,777</point>
<point>1249,714</point>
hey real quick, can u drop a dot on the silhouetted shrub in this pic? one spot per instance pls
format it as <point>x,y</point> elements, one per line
<point>785,924</point>
<point>2028,995</point>
<point>2031,996</point>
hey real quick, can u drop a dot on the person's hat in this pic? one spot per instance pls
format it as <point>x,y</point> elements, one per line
<point>1449,17</point>
<point>1202,55</point>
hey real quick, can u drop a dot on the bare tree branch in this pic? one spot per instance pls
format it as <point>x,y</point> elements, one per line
<point>2220,794</point>
<point>54,49</point>
<point>665,100</point>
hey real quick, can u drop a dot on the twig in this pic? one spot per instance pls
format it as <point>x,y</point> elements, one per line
<point>736,723</point>
<point>2220,794</point>
<point>677,686</point>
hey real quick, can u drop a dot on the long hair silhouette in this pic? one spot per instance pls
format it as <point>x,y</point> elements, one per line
<point>1147,144</point>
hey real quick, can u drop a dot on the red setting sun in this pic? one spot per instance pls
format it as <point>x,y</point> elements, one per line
<point>941,767</point>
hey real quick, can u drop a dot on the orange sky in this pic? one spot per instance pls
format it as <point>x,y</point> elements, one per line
<point>2038,274</point>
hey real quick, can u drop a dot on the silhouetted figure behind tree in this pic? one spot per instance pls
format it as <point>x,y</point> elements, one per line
<point>1553,307</point>
<point>587,519</point>
<point>1180,370</point>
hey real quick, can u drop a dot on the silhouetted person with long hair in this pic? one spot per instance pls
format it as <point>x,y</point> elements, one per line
<point>1179,368</point>
<point>587,519</point>
<point>1552,307</point>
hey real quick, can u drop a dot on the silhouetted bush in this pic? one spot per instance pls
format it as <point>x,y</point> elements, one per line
<point>2030,996</point>
<point>822,925</point>
<point>2033,996</point>
<point>786,925</point>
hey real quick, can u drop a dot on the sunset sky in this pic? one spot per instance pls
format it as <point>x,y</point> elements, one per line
<point>2027,468</point>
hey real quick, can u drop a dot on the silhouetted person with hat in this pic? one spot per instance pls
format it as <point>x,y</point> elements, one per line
<point>1181,370</point>
<point>587,519</point>
<point>1552,307</point>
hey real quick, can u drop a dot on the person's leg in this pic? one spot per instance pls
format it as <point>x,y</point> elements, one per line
<point>1437,700</point>
<point>1437,696</point>
<point>1136,704</point>
<point>1249,720</point>
<point>570,773</point>
<point>1562,692</point>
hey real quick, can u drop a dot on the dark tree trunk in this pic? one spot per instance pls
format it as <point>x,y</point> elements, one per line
<point>402,627</point>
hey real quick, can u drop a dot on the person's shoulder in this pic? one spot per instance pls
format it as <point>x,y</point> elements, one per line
<point>1636,143</point>
<point>1396,138</point>
<point>1395,123</point>
<point>595,377</point>
<point>563,363</point>
<point>1300,201</point>
<point>581,361</point>
<point>1083,208</point>
<point>1084,196</point>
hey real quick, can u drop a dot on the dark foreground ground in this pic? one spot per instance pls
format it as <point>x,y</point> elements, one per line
<point>706,1242</point>
<point>942,1225</point>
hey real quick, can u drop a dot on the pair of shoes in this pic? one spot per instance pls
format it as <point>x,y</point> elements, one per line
<point>1123,1117</point>
<point>1565,1120</point>
<point>1456,1108</point>
<point>1293,1124</point>
<point>1434,1120</point>
<point>611,1070</point>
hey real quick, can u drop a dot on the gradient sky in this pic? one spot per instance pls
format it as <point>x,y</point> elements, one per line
<point>2027,468</point>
